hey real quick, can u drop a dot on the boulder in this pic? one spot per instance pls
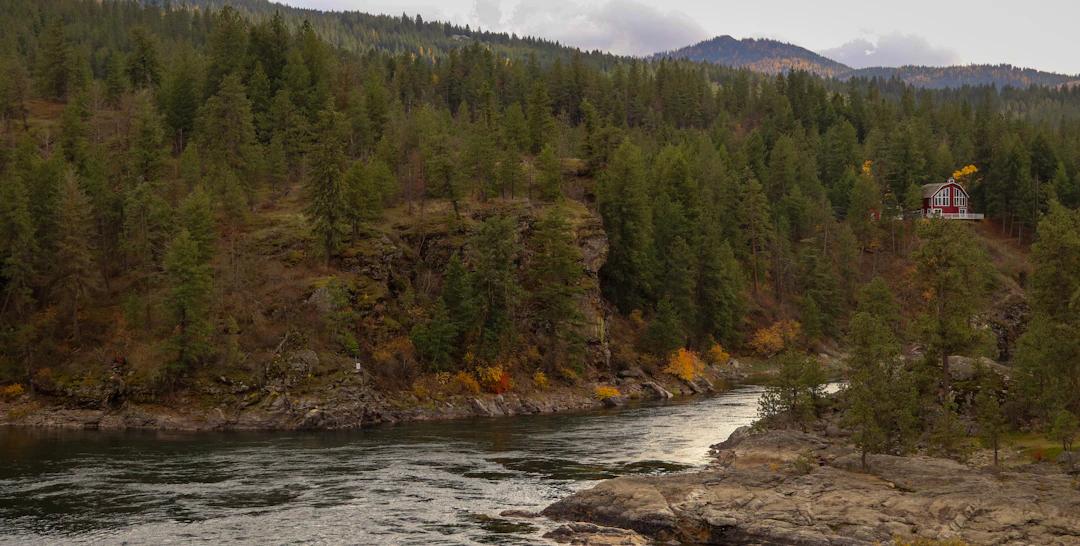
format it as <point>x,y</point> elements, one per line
<point>767,493</point>
<point>656,390</point>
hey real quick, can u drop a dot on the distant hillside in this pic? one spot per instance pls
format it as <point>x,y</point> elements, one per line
<point>759,55</point>
<point>771,57</point>
<point>940,77</point>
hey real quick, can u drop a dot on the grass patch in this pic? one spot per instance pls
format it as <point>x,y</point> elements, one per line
<point>1034,446</point>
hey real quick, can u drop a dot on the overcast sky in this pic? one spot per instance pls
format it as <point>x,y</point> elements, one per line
<point>1042,34</point>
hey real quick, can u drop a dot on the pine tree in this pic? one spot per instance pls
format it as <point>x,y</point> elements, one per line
<point>624,205</point>
<point>988,410</point>
<point>794,392</point>
<point>494,250</point>
<point>665,332</point>
<point>196,216</point>
<point>511,176</point>
<point>76,273</point>
<point>18,248</point>
<point>720,290</point>
<point>873,354</point>
<point>327,206</point>
<point>549,174</point>
<point>754,223</point>
<point>115,80</point>
<point>555,274</point>
<point>146,149</point>
<point>227,40</point>
<point>952,271</point>
<point>14,92</point>
<point>876,299</point>
<point>434,339</point>
<point>143,65</point>
<point>225,130</point>
<point>540,123</point>
<point>55,70</point>
<point>180,98</point>
<point>190,282</point>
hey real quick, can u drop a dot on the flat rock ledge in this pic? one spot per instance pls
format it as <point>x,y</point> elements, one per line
<point>784,487</point>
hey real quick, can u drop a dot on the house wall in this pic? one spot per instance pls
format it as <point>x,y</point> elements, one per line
<point>951,208</point>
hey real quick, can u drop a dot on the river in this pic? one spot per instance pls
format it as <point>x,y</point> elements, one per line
<point>416,483</point>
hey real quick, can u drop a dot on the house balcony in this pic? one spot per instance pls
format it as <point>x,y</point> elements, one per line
<point>952,215</point>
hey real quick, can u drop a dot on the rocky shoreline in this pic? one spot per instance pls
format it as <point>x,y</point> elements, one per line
<point>784,487</point>
<point>341,409</point>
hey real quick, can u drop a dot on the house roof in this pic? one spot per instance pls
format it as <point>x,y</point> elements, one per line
<point>928,190</point>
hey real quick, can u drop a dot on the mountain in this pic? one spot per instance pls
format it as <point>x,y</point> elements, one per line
<point>941,77</point>
<point>759,55</point>
<point>772,56</point>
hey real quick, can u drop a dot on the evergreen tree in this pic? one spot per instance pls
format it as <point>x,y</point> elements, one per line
<point>794,392</point>
<point>196,216</point>
<point>18,248</point>
<point>56,62</point>
<point>624,205</point>
<point>143,65</point>
<point>326,191</point>
<point>876,299</point>
<point>494,251</point>
<point>665,332</point>
<point>540,123</point>
<point>988,410</point>
<point>225,130</point>
<point>952,270</point>
<point>549,174</point>
<point>190,282</point>
<point>146,149</point>
<point>555,275</point>
<point>180,98</point>
<point>76,274</point>
<point>434,339</point>
<point>510,174</point>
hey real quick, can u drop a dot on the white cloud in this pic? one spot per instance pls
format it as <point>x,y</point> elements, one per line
<point>894,49</point>
<point>487,13</point>
<point>619,26</point>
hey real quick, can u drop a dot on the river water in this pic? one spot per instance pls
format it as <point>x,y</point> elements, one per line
<point>417,483</point>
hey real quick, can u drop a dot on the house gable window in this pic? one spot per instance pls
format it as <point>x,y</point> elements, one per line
<point>961,198</point>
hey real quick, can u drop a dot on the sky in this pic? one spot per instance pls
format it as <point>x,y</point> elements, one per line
<point>1039,34</point>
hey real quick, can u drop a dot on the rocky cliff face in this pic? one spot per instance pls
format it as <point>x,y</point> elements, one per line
<point>786,487</point>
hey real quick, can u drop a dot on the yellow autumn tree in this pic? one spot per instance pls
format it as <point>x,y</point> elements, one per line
<point>685,364</point>
<point>964,173</point>
<point>770,341</point>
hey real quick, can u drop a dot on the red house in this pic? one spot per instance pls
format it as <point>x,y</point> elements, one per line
<point>948,200</point>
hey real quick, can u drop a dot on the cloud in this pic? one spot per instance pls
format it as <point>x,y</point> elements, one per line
<point>487,13</point>
<point>620,26</point>
<point>894,49</point>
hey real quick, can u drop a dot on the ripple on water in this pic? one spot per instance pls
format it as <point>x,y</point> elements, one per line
<point>420,483</point>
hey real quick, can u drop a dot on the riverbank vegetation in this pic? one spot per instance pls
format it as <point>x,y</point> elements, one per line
<point>227,203</point>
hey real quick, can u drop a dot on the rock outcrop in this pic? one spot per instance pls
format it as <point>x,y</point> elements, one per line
<point>786,487</point>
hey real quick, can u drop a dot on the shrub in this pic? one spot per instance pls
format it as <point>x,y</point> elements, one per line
<point>467,382</point>
<point>540,379</point>
<point>685,364</point>
<point>781,335</point>
<point>718,356</point>
<point>604,392</point>
<point>495,379</point>
<point>11,392</point>
<point>568,375</point>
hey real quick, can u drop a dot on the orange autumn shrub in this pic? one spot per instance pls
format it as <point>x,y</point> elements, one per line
<point>495,379</point>
<point>685,364</point>
<point>770,341</point>
<point>467,382</point>
<point>604,392</point>
<point>718,356</point>
<point>12,391</point>
<point>540,379</point>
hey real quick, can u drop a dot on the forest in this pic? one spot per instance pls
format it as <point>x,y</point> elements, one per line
<point>163,165</point>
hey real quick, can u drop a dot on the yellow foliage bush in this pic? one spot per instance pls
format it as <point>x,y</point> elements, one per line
<point>770,341</point>
<point>494,379</point>
<point>12,391</point>
<point>603,392</point>
<point>569,375</point>
<point>540,379</point>
<point>467,382</point>
<point>421,392</point>
<point>685,364</point>
<point>718,356</point>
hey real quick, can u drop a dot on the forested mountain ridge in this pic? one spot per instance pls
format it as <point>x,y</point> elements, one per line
<point>760,55</point>
<point>216,209</point>
<point>772,56</point>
